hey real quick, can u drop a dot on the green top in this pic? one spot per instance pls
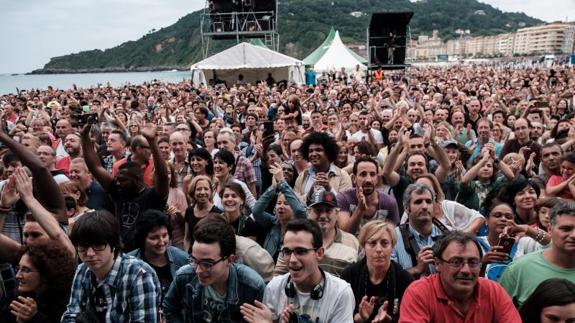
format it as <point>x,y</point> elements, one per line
<point>526,273</point>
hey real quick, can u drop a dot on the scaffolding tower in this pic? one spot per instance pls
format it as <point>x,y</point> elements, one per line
<point>239,20</point>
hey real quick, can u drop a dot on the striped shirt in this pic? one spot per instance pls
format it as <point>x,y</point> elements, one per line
<point>131,289</point>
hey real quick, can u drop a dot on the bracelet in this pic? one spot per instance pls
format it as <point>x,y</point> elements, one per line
<point>5,209</point>
<point>540,235</point>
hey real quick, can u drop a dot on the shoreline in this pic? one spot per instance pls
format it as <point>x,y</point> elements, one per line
<point>43,71</point>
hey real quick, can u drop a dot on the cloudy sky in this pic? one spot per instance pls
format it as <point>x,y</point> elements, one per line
<point>32,31</point>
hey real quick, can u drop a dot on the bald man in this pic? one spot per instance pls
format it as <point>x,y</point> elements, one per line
<point>178,146</point>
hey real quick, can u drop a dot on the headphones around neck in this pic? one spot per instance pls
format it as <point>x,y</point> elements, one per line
<point>316,293</point>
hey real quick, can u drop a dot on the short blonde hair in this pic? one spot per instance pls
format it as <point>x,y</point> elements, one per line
<point>372,227</point>
<point>192,187</point>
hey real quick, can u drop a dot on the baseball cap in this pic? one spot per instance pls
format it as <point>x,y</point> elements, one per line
<point>449,143</point>
<point>321,196</point>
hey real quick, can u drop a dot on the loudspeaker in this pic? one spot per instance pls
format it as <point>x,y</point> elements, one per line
<point>388,38</point>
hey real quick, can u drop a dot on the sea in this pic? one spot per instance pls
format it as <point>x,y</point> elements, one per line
<point>9,83</point>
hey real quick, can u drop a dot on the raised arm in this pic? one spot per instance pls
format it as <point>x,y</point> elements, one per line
<point>49,195</point>
<point>161,178</point>
<point>46,219</point>
<point>391,176</point>
<point>473,171</point>
<point>92,161</point>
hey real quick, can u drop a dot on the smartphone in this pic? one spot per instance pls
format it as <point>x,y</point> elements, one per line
<point>506,242</point>
<point>268,128</point>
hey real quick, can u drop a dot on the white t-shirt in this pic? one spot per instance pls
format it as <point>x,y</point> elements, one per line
<point>360,135</point>
<point>336,304</point>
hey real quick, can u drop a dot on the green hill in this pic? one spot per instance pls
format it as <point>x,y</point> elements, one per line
<point>303,24</point>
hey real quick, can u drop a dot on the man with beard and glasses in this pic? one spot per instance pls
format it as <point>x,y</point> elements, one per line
<point>321,150</point>
<point>526,273</point>
<point>363,203</point>
<point>413,250</point>
<point>306,293</point>
<point>341,248</point>
<point>127,189</point>
<point>457,293</point>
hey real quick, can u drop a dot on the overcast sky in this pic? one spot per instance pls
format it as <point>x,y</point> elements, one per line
<point>32,31</point>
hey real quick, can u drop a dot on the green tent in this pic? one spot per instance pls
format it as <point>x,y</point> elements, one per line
<point>338,55</point>
<point>257,42</point>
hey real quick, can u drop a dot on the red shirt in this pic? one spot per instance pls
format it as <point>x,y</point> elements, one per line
<point>148,170</point>
<point>555,180</point>
<point>425,301</point>
<point>63,164</point>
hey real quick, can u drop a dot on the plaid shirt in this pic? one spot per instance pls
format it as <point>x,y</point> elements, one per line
<point>132,292</point>
<point>244,170</point>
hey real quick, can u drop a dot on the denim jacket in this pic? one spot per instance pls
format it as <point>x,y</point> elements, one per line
<point>270,221</point>
<point>183,302</point>
<point>176,257</point>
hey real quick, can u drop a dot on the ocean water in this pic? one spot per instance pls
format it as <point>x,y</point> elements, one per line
<point>9,83</point>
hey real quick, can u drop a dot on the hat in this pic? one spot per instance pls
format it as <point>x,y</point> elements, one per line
<point>449,143</point>
<point>321,196</point>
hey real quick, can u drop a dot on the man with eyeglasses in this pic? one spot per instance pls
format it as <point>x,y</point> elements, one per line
<point>109,286</point>
<point>341,248</point>
<point>457,293</point>
<point>212,287</point>
<point>306,293</point>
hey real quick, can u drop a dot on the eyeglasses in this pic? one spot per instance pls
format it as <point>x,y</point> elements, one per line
<point>457,262</point>
<point>24,270</point>
<point>298,251</point>
<point>84,249</point>
<point>182,129</point>
<point>206,265</point>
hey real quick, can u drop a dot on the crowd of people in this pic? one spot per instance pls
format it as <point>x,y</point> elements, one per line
<point>437,194</point>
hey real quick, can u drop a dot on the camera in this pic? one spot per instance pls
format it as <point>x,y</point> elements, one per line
<point>83,119</point>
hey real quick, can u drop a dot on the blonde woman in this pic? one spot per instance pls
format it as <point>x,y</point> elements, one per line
<point>378,283</point>
<point>200,195</point>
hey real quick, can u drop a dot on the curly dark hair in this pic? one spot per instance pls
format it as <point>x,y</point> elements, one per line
<point>56,267</point>
<point>148,221</point>
<point>320,138</point>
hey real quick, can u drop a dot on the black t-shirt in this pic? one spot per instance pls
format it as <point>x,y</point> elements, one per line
<point>248,227</point>
<point>390,289</point>
<point>164,275</point>
<point>99,303</point>
<point>128,210</point>
<point>192,220</point>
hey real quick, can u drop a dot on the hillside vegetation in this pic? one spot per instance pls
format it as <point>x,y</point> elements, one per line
<point>303,24</point>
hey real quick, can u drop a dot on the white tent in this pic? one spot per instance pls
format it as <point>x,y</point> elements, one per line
<point>253,62</point>
<point>332,54</point>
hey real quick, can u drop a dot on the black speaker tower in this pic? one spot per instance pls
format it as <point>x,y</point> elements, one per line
<point>387,39</point>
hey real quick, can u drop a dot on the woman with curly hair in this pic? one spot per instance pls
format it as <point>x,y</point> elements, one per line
<point>45,275</point>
